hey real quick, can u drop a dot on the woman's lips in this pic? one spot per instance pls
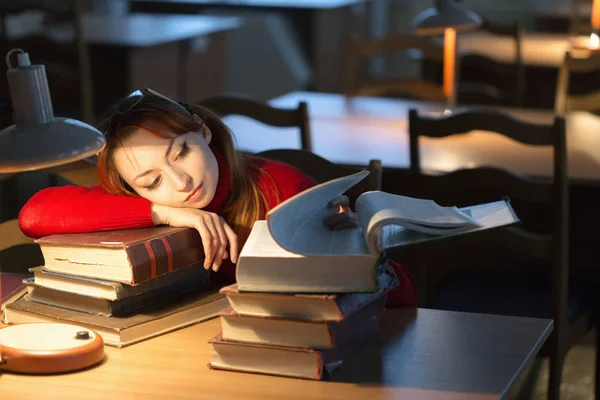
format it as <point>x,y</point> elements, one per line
<point>195,193</point>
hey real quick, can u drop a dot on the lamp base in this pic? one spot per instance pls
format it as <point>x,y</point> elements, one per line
<point>49,348</point>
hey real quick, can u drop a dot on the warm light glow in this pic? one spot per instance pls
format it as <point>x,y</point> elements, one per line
<point>596,14</point>
<point>594,41</point>
<point>449,61</point>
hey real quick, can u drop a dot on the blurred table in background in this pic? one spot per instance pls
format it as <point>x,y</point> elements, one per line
<point>538,49</point>
<point>542,53</point>
<point>354,130</point>
<point>321,26</point>
<point>166,52</point>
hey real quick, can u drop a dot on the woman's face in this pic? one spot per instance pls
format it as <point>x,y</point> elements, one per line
<point>179,171</point>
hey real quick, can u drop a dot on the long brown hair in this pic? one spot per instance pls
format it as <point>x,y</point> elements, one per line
<point>246,202</point>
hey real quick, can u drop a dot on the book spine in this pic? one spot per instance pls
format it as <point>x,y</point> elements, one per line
<point>164,254</point>
<point>123,307</point>
<point>194,272</point>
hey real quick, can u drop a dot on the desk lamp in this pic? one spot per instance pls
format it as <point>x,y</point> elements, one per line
<point>39,140</point>
<point>446,19</point>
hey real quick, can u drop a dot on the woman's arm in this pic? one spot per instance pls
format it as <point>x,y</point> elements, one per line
<point>76,209</point>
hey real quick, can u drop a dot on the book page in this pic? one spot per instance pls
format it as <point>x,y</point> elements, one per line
<point>377,209</point>
<point>412,210</point>
<point>297,223</point>
<point>488,216</point>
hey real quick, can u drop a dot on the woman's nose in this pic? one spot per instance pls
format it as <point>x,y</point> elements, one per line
<point>182,181</point>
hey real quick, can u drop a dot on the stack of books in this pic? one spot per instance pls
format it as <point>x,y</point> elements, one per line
<point>126,285</point>
<point>307,296</point>
<point>296,335</point>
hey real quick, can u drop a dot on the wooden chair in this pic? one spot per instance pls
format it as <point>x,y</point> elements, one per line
<point>232,104</point>
<point>417,88</point>
<point>323,170</point>
<point>566,101</point>
<point>473,91</point>
<point>488,90</point>
<point>67,63</point>
<point>514,287</point>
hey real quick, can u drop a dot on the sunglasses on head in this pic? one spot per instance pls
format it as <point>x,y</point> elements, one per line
<point>134,98</point>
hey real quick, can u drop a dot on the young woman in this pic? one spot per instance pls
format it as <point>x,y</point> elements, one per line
<point>174,164</point>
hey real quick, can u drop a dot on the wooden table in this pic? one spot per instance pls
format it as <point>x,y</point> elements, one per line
<point>542,53</point>
<point>418,354</point>
<point>355,130</point>
<point>538,49</point>
<point>165,52</point>
<point>321,26</point>
<point>134,30</point>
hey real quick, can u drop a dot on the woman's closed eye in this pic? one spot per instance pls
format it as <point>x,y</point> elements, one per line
<point>185,150</point>
<point>154,184</point>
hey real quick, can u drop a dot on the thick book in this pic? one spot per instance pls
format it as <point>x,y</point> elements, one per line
<point>320,335</point>
<point>130,256</point>
<point>293,362</point>
<point>99,306</point>
<point>293,251</point>
<point>314,307</point>
<point>114,291</point>
<point>179,312</point>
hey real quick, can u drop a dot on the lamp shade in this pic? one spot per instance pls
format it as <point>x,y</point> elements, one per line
<point>52,143</point>
<point>38,139</point>
<point>447,14</point>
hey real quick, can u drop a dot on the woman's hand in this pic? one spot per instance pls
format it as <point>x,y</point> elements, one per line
<point>343,218</point>
<point>214,231</point>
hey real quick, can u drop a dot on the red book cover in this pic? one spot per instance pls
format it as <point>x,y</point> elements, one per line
<point>151,251</point>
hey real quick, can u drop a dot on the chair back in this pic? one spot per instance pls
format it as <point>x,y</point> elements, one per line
<point>566,101</point>
<point>234,104</point>
<point>66,62</point>
<point>488,90</point>
<point>481,180</point>
<point>323,170</point>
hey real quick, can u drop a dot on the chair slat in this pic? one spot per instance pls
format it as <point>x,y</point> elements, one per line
<point>469,119</point>
<point>500,180</point>
<point>243,105</point>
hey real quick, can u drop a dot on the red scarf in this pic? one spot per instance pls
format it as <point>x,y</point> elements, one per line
<point>223,185</point>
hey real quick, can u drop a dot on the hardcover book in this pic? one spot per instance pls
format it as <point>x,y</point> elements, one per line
<point>294,362</point>
<point>122,307</point>
<point>313,307</point>
<point>114,291</point>
<point>321,335</point>
<point>130,256</point>
<point>293,251</point>
<point>180,311</point>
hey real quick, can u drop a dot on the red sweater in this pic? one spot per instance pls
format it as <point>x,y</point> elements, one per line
<point>76,209</point>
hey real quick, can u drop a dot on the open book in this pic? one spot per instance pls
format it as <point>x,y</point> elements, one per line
<point>293,249</point>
